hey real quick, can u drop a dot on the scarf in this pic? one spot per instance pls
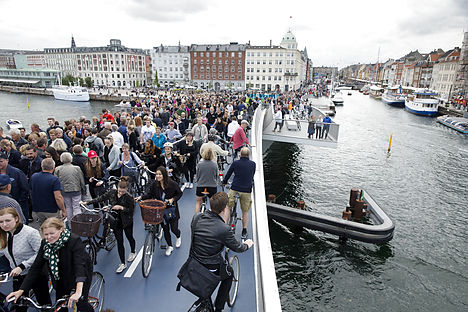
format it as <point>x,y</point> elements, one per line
<point>51,252</point>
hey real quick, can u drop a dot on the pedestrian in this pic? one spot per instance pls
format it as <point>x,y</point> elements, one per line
<point>46,195</point>
<point>326,125</point>
<point>318,128</point>
<point>278,119</point>
<point>311,126</point>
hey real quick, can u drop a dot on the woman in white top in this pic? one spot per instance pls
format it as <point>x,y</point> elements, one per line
<point>147,131</point>
<point>19,243</point>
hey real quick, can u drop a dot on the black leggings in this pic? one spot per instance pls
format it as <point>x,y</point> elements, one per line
<point>189,170</point>
<point>118,231</point>
<point>174,225</point>
<point>40,288</point>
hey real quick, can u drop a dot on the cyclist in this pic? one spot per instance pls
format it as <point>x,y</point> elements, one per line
<point>68,264</point>
<point>217,150</point>
<point>129,161</point>
<point>95,170</point>
<point>239,138</point>
<point>171,162</point>
<point>210,235</point>
<point>207,177</point>
<point>244,170</point>
<point>189,148</point>
<point>159,139</point>
<point>20,244</point>
<point>166,189</point>
<point>111,156</point>
<point>124,205</point>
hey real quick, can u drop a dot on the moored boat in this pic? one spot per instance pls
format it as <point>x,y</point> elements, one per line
<point>394,97</point>
<point>376,92</point>
<point>459,124</point>
<point>75,94</point>
<point>337,99</point>
<point>14,124</point>
<point>422,102</point>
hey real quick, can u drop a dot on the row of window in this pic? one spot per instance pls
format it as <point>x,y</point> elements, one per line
<point>170,69</point>
<point>226,62</point>
<point>220,69</point>
<point>264,78</point>
<point>220,76</point>
<point>176,76</point>
<point>220,54</point>
<point>269,54</point>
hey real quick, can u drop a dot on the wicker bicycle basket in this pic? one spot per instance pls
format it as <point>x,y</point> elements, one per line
<point>85,224</point>
<point>152,211</point>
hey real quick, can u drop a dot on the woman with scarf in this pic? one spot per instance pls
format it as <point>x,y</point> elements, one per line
<point>189,148</point>
<point>68,264</point>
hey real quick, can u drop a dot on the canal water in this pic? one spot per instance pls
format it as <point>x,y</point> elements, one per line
<point>422,185</point>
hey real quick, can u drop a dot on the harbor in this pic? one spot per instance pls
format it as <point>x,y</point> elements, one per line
<point>315,270</point>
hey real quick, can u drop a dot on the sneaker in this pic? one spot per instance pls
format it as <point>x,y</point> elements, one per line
<point>131,257</point>
<point>187,185</point>
<point>244,234</point>
<point>191,185</point>
<point>178,242</point>
<point>169,250</point>
<point>120,268</point>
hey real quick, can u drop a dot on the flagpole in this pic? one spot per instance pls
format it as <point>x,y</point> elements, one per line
<point>27,101</point>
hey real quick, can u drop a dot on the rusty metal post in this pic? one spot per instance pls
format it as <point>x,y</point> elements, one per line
<point>271,198</point>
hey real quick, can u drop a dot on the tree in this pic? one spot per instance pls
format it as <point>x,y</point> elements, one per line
<point>210,85</point>
<point>230,85</point>
<point>249,85</point>
<point>137,84</point>
<point>88,82</point>
<point>65,81</point>
<point>71,80</point>
<point>156,82</point>
<point>82,83</point>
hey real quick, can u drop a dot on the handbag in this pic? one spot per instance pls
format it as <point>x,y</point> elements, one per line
<point>170,213</point>
<point>195,277</point>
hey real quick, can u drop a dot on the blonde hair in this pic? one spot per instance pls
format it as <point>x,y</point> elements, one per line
<point>208,154</point>
<point>59,145</point>
<point>3,234</point>
<point>52,222</point>
<point>7,143</point>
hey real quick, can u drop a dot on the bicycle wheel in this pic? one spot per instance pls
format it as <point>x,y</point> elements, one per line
<point>234,263</point>
<point>96,292</point>
<point>110,240</point>
<point>91,250</point>
<point>148,251</point>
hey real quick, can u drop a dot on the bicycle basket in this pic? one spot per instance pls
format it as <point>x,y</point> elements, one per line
<point>152,211</point>
<point>85,224</point>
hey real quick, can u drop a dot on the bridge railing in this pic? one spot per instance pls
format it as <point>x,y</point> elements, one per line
<point>267,294</point>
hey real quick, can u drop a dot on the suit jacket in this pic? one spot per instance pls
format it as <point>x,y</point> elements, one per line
<point>74,266</point>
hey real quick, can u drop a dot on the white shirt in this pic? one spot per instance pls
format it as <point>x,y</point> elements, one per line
<point>118,139</point>
<point>147,132</point>
<point>278,116</point>
<point>232,127</point>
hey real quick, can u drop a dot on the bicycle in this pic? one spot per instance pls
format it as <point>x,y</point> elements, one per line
<point>233,213</point>
<point>87,225</point>
<point>203,206</point>
<point>152,214</point>
<point>206,305</point>
<point>95,298</point>
<point>135,187</point>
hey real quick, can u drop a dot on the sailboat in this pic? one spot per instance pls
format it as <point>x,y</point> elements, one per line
<point>70,93</point>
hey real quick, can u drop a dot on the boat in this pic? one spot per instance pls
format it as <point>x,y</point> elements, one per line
<point>394,97</point>
<point>324,105</point>
<point>422,102</point>
<point>14,124</point>
<point>337,98</point>
<point>459,124</point>
<point>376,92</point>
<point>75,94</point>
<point>343,87</point>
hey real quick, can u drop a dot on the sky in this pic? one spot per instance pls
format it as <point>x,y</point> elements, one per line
<point>335,32</point>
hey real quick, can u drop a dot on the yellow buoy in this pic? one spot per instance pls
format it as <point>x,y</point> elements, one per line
<point>390,143</point>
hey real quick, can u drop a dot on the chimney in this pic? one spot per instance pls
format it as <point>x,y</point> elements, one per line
<point>270,43</point>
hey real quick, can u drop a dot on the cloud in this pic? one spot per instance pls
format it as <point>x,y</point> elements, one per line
<point>165,11</point>
<point>432,18</point>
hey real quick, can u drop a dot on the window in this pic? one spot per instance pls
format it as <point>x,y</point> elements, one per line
<point>194,61</point>
<point>207,55</point>
<point>195,54</point>
<point>201,54</point>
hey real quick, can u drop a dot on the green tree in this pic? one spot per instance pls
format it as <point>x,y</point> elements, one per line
<point>82,83</point>
<point>230,85</point>
<point>137,84</point>
<point>65,81</point>
<point>210,85</point>
<point>156,82</point>
<point>88,82</point>
<point>70,79</point>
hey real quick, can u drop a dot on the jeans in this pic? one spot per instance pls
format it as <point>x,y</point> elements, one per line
<point>72,204</point>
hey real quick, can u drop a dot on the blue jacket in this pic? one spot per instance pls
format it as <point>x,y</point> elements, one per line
<point>244,170</point>
<point>327,120</point>
<point>19,187</point>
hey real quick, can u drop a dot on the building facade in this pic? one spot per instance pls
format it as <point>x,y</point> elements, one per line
<point>171,64</point>
<point>29,77</point>
<point>444,73</point>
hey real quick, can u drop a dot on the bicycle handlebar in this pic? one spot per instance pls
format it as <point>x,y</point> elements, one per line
<point>31,302</point>
<point>105,208</point>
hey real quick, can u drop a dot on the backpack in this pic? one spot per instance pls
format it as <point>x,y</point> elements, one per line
<point>92,146</point>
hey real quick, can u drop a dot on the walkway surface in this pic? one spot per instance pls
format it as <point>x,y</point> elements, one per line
<point>129,291</point>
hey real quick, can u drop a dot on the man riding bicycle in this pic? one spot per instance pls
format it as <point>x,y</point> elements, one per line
<point>210,235</point>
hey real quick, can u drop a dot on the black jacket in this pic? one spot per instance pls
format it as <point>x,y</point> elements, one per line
<point>30,168</point>
<point>14,158</point>
<point>172,191</point>
<point>210,234</point>
<point>74,266</point>
<point>126,201</point>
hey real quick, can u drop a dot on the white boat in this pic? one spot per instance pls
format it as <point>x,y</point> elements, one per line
<point>14,124</point>
<point>393,96</point>
<point>376,92</point>
<point>459,124</point>
<point>76,94</point>
<point>337,99</point>
<point>422,102</point>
